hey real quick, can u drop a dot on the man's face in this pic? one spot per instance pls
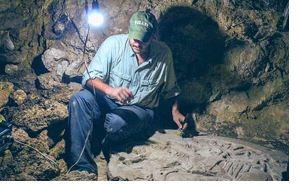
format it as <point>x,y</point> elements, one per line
<point>138,46</point>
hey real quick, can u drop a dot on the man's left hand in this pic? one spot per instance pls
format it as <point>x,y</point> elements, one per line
<point>179,118</point>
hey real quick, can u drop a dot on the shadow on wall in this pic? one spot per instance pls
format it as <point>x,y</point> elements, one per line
<point>197,45</point>
<point>194,39</point>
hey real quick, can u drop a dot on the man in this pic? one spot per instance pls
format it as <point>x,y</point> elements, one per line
<point>123,84</point>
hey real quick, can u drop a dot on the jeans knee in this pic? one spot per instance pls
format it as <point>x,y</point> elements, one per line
<point>73,103</point>
<point>79,98</point>
<point>113,123</point>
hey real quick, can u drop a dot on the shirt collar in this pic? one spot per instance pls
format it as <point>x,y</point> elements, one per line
<point>132,54</point>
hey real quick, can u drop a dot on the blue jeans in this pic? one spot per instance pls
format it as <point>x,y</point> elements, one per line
<point>85,113</point>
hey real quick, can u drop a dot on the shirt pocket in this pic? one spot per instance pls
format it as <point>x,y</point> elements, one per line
<point>148,85</point>
<point>119,79</point>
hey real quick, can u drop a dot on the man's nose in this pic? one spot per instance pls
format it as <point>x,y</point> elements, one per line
<point>137,44</point>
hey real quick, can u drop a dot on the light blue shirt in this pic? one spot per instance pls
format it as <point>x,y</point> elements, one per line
<point>115,64</point>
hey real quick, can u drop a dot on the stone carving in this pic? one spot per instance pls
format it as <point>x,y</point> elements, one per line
<point>168,157</point>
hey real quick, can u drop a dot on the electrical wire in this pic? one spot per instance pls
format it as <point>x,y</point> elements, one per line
<point>43,154</point>
<point>90,77</point>
<point>89,132</point>
<point>94,92</point>
<point>84,62</point>
<point>80,155</point>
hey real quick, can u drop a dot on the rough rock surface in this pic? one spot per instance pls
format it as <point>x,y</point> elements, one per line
<point>231,58</point>
<point>23,163</point>
<point>221,49</point>
<point>41,116</point>
<point>167,157</point>
<point>11,69</point>
<point>48,81</point>
<point>19,96</point>
<point>5,89</point>
<point>20,32</point>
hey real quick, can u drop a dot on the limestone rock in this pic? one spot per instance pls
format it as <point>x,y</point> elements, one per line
<point>6,88</point>
<point>58,150</point>
<point>242,20</point>
<point>11,69</point>
<point>5,41</point>
<point>48,81</point>
<point>6,160</point>
<point>56,61</point>
<point>26,82</point>
<point>244,60</point>
<point>22,136</point>
<point>44,137</point>
<point>69,62</point>
<point>19,96</point>
<point>167,157</point>
<point>62,166</point>
<point>34,97</point>
<point>22,177</point>
<point>75,69</point>
<point>260,96</point>
<point>271,123</point>
<point>19,134</point>
<point>24,42</point>
<point>64,94</point>
<point>41,116</point>
<point>26,162</point>
<point>77,176</point>
<point>229,107</point>
<point>278,51</point>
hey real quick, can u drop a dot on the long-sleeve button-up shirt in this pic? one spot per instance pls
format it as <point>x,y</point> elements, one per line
<point>115,64</point>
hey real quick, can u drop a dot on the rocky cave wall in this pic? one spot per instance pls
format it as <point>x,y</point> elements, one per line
<point>231,60</point>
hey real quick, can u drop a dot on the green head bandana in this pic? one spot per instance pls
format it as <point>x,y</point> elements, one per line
<point>142,25</point>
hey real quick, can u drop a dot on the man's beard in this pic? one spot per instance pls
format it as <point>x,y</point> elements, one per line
<point>138,50</point>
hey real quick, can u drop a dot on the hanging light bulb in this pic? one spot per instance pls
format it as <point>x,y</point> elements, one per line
<point>95,18</point>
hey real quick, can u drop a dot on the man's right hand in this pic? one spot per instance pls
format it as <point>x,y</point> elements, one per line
<point>122,94</point>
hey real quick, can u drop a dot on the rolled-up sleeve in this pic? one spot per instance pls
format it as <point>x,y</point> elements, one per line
<point>100,65</point>
<point>171,88</point>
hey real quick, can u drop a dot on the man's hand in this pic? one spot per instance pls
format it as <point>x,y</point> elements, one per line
<point>122,94</point>
<point>178,118</point>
